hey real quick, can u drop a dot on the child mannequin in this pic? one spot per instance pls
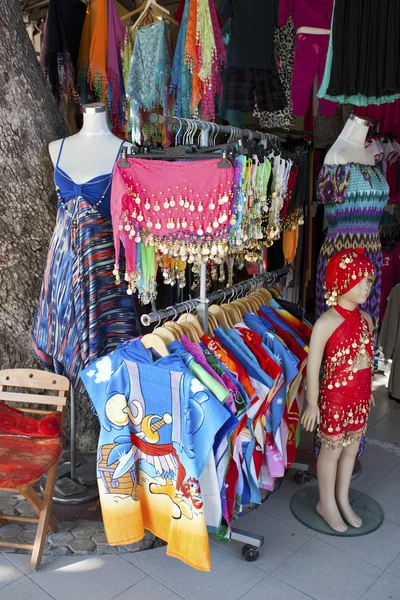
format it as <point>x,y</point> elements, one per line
<point>340,404</point>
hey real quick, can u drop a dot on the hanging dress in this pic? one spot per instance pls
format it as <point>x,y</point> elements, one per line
<point>355,197</point>
<point>82,314</point>
<point>345,391</point>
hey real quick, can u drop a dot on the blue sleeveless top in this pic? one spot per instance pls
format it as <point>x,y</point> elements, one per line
<point>94,190</point>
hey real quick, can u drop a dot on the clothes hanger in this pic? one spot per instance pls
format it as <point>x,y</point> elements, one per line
<point>151,340</point>
<point>189,318</point>
<point>266,295</point>
<point>151,5</point>
<point>220,316</point>
<point>173,325</point>
<point>212,324</point>
<point>275,291</point>
<point>166,334</point>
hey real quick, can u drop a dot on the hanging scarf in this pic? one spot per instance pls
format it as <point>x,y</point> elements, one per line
<point>97,74</point>
<point>92,62</point>
<point>59,53</point>
<point>191,55</point>
<point>116,88</point>
<point>181,77</point>
<point>84,49</point>
<point>205,41</point>
<point>149,74</point>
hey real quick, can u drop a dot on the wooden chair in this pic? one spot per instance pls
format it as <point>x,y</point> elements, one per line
<point>30,447</point>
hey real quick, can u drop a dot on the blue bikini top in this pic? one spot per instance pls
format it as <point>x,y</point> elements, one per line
<point>94,190</point>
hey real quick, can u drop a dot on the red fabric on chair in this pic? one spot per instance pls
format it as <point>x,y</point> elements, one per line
<point>24,460</point>
<point>16,422</point>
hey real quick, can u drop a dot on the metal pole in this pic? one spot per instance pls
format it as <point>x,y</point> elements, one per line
<point>73,434</point>
<point>258,135</point>
<point>201,304</point>
<point>202,307</point>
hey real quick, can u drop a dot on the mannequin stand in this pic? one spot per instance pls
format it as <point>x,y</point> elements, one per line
<point>76,479</point>
<point>303,506</point>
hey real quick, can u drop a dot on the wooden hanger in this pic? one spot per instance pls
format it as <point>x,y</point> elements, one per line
<point>275,291</point>
<point>151,340</point>
<point>193,320</point>
<point>241,306</point>
<point>212,324</point>
<point>166,334</point>
<point>221,317</point>
<point>266,294</point>
<point>233,312</point>
<point>177,328</point>
<point>190,332</point>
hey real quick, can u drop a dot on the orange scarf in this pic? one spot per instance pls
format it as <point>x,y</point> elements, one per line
<point>92,62</point>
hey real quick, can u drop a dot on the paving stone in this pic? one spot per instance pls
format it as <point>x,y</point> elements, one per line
<point>99,537</point>
<point>66,525</point>
<point>86,529</point>
<point>29,526</point>
<point>23,509</point>
<point>27,536</point>
<point>81,546</point>
<point>61,538</point>
<point>8,501</point>
<point>10,531</point>
<point>56,550</point>
<point>106,549</point>
<point>137,547</point>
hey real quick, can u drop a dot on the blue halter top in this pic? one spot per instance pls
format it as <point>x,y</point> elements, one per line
<point>96,189</point>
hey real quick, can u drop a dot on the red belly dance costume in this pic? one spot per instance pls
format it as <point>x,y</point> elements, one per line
<point>345,390</point>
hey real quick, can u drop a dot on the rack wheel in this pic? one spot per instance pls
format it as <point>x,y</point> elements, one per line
<point>300,477</point>
<point>250,553</point>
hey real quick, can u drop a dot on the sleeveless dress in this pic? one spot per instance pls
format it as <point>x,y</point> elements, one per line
<point>345,390</point>
<point>82,314</point>
<point>355,197</point>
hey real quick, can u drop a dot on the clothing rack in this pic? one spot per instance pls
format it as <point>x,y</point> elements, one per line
<point>214,128</point>
<point>203,302</point>
<point>252,541</point>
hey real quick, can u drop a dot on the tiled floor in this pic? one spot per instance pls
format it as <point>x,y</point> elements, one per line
<point>294,564</point>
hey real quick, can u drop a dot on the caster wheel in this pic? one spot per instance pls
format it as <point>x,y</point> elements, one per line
<point>250,553</point>
<point>300,477</point>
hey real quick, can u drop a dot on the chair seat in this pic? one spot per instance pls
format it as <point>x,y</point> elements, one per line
<point>17,422</point>
<point>24,460</point>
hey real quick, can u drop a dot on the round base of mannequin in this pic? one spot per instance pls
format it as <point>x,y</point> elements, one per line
<point>303,506</point>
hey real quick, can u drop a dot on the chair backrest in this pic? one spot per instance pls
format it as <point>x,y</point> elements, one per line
<point>38,380</point>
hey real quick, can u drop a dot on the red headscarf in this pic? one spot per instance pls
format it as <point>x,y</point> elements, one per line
<point>344,270</point>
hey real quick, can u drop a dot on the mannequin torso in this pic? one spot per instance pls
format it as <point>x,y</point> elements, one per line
<point>92,151</point>
<point>350,145</point>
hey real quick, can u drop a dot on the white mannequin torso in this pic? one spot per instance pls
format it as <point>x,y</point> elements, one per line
<point>350,145</point>
<point>92,151</point>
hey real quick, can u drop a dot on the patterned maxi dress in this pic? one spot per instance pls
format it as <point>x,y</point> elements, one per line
<point>355,197</point>
<point>81,314</point>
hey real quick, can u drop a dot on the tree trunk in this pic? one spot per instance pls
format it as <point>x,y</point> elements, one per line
<point>29,120</point>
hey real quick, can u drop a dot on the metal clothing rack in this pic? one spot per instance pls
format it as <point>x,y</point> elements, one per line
<point>252,541</point>
<point>202,303</point>
<point>214,128</point>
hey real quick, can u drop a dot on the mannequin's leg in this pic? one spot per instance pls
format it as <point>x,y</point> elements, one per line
<point>327,469</point>
<point>343,479</point>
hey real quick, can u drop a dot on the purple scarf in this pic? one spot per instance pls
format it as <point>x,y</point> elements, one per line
<point>115,88</point>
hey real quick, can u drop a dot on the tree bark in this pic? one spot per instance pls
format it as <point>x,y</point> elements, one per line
<point>29,120</point>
